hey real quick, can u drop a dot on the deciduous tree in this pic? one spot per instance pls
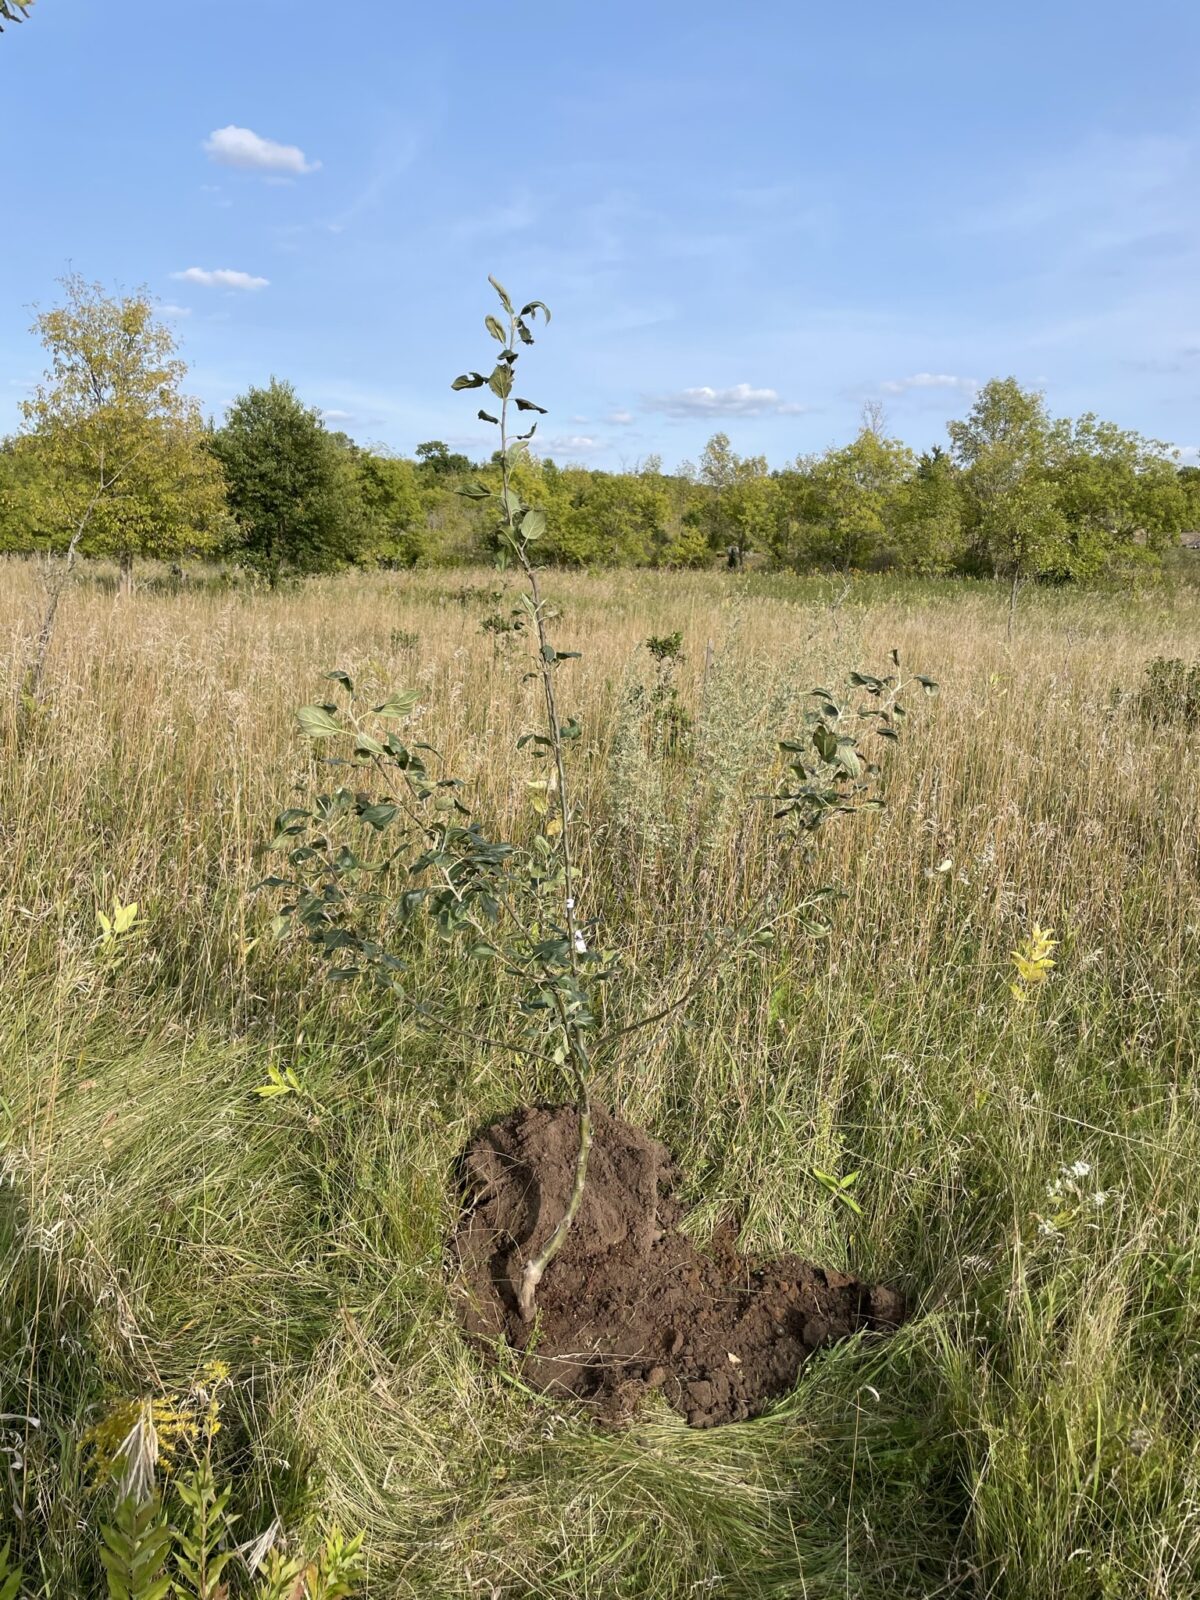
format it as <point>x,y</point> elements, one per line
<point>117,442</point>
<point>291,489</point>
<point>1003,446</point>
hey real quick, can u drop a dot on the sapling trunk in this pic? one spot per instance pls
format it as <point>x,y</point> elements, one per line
<point>577,1062</point>
<point>531,1274</point>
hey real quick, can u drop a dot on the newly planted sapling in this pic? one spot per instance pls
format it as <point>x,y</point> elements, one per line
<point>512,905</point>
<point>379,863</point>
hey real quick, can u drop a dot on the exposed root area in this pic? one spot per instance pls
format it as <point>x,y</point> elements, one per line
<point>630,1303</point>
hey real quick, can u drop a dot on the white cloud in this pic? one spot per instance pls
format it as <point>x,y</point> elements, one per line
<point>333,415</point>
<point>1189,455</point>
<point>241,147</point>
<point>621,418</point>
<point>573,444</point>
<point>169,310</point>
<point>930,380</point>
<point>220,278</point>
<point>740,401</point>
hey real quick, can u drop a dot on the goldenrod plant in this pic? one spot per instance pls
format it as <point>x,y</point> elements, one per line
<point>171,1533</point>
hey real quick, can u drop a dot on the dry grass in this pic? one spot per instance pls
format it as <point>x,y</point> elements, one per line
<point>1035,1427</point>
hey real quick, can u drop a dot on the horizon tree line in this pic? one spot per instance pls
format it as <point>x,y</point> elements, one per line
<point>114,460</point>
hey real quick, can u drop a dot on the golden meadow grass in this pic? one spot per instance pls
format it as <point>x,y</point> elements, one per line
<point>1032,1432</point>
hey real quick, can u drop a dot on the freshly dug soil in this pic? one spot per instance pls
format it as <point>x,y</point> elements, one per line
<point>630,1303</point>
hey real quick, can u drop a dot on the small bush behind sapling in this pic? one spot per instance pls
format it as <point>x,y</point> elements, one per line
<point>1170,691</point>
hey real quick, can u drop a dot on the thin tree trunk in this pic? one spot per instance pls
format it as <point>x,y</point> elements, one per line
<point>1012,599</point>
<point>126,573</point>
<point>36,672</point>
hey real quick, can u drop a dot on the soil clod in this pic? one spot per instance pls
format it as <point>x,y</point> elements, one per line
<point>630,1303</point>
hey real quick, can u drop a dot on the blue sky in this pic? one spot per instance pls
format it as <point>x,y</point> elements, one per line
<point>751,217</point>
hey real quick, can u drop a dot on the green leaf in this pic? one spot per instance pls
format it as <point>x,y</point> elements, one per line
<point>535,306</point>
<point>502,292</point>
<point>474,491</point>
<point>486,416</point>
<point>929,685</point>
<point>528,405</point>
<point>533,524</point>
<point>847,758</point>
<point>316,722</point>
<point>365,745</point>
<point>398,704</point>
<point>493,326</point>
<point>11,1576</point>
<point>469,380</point>
<point>501,382</point>
<point>523,332</point>
<point>380,815</point>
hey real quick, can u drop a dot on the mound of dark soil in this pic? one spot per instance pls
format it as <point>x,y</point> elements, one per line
<point>630,1303</point>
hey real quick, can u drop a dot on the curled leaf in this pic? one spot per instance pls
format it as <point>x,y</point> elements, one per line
<point>502,292</point>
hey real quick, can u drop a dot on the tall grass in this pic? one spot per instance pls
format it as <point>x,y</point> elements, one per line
<point>1032,1432</point>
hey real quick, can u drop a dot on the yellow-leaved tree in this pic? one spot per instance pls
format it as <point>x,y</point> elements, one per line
<point>125,470</point>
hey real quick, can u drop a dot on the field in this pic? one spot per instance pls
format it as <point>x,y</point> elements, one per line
<point>1027,1171</point>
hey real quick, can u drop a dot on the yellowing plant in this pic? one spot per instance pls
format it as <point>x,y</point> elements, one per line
<point>1033,960</point>
<point>133,1437</point>
<point>120,923</point>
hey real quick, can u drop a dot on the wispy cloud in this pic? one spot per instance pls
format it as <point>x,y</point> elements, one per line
<point>169,310</point>
<point>334,415</point>
<point>220,278</point>
<point>573,444</point>
<point>930,380</point>
<point>742,400</point>
<point>243,148</point>
<point>621,419</point>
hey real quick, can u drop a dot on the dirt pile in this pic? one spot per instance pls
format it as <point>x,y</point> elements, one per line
<point>630,1303</point>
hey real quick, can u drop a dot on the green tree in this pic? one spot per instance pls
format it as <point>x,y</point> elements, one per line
<point>718,468</point>
<point>614,518</point>
<point>123,466</point>
<point>1189,483</point>
<point>439,461</point>
<point>855,498</point>
<point>1003,447</point>
<point>394,529</point>
<point>24,497</point>
<point>1120,493</point>
<point>928,532</point>
<point>291,489</point>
